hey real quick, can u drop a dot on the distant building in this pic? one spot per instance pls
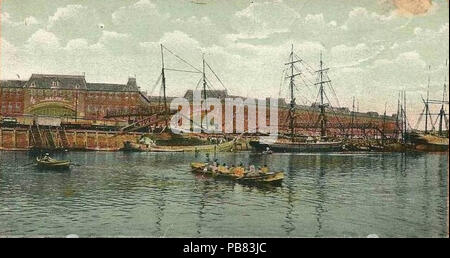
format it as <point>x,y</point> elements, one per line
<point>67,96</point>
<point>373,114</point>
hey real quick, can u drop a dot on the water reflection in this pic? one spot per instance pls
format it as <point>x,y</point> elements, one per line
<point>289,223</point>
<point>320,191</point>
<point>155,194</point>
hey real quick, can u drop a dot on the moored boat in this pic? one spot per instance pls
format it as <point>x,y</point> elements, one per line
<point>50,163</point>
<point>141,147</point>
<point>428,142</point>
<point>298,146</point>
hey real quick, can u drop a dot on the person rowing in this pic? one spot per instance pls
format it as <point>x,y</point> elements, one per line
<point>252,171</point>
<point>46,157</point>
<point>223,169</point>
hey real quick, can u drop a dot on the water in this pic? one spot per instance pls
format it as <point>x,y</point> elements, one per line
<point>154,194</point>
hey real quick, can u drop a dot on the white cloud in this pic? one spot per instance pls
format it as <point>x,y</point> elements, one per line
<point>6,46</point>
<point>43,39</point>
<point>314,19</point>
<point>30,20</point>
<point>65,13</point>
<point>177,39</point>
<point>143,18</point>
<point>6,19</point>
<point>343,55</point>
<point>75,44</point>
<point>260,20</point>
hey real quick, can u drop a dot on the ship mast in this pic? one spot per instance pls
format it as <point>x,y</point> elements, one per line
<point>291,90</point>
<point>163,82</point>
<point>322,116</point>
<point>353,117</point>
<point>204,92</point>
<point>384,125</point>
<point>397,118</point>
<point>404,117</point>
<point>426,103</point>
<point>442,111</point>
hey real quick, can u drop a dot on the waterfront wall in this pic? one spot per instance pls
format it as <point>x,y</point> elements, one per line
<point>20,139</point>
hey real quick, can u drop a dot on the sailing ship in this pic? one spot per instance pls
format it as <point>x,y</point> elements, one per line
<point>432,140</point>
<point>291,144</point>
<point>165,113</point>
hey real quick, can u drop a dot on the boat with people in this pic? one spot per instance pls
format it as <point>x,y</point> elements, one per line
<point>48,162</point>
<point>239,174</point>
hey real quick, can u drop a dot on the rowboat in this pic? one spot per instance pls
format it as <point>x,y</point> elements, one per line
<point>273,178</point>
<point>51,163</point>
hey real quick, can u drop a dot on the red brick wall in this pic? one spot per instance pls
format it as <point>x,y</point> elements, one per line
<point>98,103</point>
<point>11,101</point>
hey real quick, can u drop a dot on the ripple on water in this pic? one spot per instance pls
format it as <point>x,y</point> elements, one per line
<point>154,194</point>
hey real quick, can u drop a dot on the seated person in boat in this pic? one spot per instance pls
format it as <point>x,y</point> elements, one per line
<point>264,169</point>
<point>239,171</point>
<point>46,157</point>
<point>223,169</point>
<point>252,171</point>
<point>213,167</point>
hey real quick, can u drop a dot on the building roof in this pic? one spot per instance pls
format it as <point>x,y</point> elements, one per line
<point>221,94</point>
<point>110,87</point>
<point>56,81</point>
<point>130,86</point>
<point>12,83</point>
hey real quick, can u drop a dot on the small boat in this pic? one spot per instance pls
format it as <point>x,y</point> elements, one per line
<point>51,163</point>
<point>273,178</point>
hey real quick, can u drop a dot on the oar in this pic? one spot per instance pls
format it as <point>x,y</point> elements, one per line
<point>29,164</point>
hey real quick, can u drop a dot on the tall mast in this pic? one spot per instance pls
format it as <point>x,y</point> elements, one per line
<point>204,92</point>
<point>163,81</point>
<point>442,111</point>
<point>323,119</point>
<point>404,116</point>
<point>426,103</point>
<point>384,125</point>
<point>401,115</point>
<point>291,88</point>
<point>353,116</point>
<point>397,122</point>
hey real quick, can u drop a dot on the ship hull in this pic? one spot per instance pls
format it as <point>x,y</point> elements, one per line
<point>431,143</point>
<point>298,147</point>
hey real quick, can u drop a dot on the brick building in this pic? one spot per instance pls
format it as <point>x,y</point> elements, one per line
<point>67,96</point>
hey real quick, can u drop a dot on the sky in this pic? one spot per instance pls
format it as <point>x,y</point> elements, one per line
<point>374,48</point>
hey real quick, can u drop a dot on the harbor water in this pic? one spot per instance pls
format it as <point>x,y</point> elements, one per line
<point>156,195</point>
